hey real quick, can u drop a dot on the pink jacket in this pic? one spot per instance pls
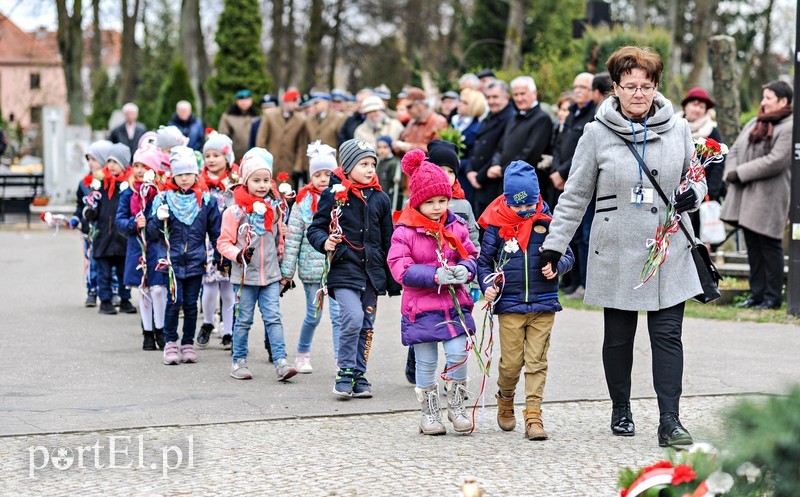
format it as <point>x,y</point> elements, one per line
<point>264,267</point>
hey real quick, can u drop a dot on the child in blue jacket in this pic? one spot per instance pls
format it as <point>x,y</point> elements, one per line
<point>516,225</point>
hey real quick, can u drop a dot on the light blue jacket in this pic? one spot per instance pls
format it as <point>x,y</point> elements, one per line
<point>298,252</point>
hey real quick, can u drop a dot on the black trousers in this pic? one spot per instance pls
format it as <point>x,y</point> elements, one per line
<point>665,327</point>
<point>765,256</point>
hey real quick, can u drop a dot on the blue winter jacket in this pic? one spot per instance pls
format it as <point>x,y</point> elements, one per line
<point>187,243</point>
<point>126,224</point>
<point>526,289</point>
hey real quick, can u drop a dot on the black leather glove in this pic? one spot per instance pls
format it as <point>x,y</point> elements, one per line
<point>288,286</point>
<point>685,201</point>
<point>245,255</point>
<point>549,256</point>
<point>90,214</point>
<point>732,177</point>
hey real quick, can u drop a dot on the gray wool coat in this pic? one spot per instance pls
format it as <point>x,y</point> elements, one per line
<point>760,202</point>
<point>621,229</point>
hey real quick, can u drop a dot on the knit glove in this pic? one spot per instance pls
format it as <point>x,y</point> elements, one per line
<point>74,222</point>
<point>162,212</point>
<point>444,276</point>
<point>245,255</point>
<point>685,201</point>
<point>732,177</point>
<point>549,257</point>
<point>460,273</point>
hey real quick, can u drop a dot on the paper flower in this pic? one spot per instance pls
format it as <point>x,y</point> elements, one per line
<point>149,176</point>
<point>285,188</point>
<point>719,482</point>
<point>48,217</point>
<point>511,246</point>
<point>259,208</point>
<point>338,188</point>
<point>283,177</point>
<point>123,186</point>
<point>683,474</point>
<point>749,471</point>
<point>704,448</point>
<point>96,184</point>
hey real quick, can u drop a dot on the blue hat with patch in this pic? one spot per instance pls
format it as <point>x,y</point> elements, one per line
<point>319,95</point>
<point>520,184</point>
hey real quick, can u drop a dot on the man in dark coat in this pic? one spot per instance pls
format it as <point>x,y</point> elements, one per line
<point>489,134</point>
<point>131,130</point>
<point>348,129</point>
<point>527,135</point>
<point>190,125</point>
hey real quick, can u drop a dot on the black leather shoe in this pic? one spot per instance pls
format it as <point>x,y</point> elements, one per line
<point>748,303</point>
<point>768,305</point>
<point>622,420</point>
<point>126,307</point>
<point>107,308</point>
<point>149,341</point>
<point>671,432</point>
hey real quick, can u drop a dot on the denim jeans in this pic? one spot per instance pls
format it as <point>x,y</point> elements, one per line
<point>455,352</point>
<point>357,311</point>
<point>268,300</point>
<point>107,269</point>
<point>91,277</point>
<point>187,291</point>
<point>311,321</point>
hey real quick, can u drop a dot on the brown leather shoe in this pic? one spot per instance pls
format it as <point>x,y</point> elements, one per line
<point>505,412</point>
<point>534,429</point>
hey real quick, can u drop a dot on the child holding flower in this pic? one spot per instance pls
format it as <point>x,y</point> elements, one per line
<point>524,298</point>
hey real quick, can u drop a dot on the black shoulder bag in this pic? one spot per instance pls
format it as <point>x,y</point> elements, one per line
<point>709,276</point>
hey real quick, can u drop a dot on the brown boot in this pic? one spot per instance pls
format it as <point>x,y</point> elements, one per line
<point>505,412</point>
<point>534,429</point>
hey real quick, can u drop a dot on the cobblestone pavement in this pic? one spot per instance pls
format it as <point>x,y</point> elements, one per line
<point>362,455</point>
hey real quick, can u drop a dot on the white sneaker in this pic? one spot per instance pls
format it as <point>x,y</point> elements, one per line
<point>302,363</point>
<point>239,370</point>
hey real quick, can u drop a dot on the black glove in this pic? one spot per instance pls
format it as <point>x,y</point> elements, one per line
<point>288,286</point>
<point>732,177</point>
<point>244,256</point>
<point>549,256</point>
<point>685,201</point>
<point>90,214</point>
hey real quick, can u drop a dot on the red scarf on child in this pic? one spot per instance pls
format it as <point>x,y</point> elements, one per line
<point>511,225</point>
<point>354,187</point>
<point>458,192</point>
<point>110,181</point>
<point>245,200</point>
<point>313,191</point>
<point>214,183</point>
<point>198,188</point>
<point>414,219</point>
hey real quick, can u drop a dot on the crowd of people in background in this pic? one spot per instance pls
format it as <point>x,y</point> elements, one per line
<point>326,179</point>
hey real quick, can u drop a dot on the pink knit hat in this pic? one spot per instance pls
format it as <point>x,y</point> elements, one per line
<point>426,180</point>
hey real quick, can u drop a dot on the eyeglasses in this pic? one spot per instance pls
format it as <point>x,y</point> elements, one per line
<point>631,90</point>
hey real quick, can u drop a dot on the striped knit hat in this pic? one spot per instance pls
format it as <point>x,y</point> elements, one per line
<point>352,151</point>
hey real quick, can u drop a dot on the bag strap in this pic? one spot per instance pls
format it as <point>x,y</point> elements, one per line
<point>657,187</point>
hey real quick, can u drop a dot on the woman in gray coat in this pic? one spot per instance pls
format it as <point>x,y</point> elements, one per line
<point>627,215</point>
<point>758,171</point>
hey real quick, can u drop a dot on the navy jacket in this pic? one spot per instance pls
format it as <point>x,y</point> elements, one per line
<point>192,129</point>
<point>369,228</point>
<point>480,158</point>
<point>564,147</point>
<point>81,192</point>
<point>253,133</point>
<point>526,289</point>
<point>187,243</point>
<point>126,223</point>
<point>108,242</point>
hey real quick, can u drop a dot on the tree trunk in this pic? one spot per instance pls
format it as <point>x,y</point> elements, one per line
<point>763,70</point>
<point>193,50</point>
<point>128,62</point>
<point>414,36</point>
<point>316,31</point>
<point>512,53</point>
<point>640,12</point>
<point>70,44</point>
<point>706,14</point>
<point>291,46</point>
<point>97,38</point>
<point>336,35</point>
<point>275,64</point>
<point>722,58</point>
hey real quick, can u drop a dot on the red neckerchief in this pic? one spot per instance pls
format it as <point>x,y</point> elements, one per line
<point>511,225</point>
<point>245,200</point>
<point>110,181</point>
<point>87,180</point>
<point>458,192</point>
<point>353,187</point>
<point>414,219</point>
<point>315,193</point>
<point>198,188</point>
<point>215,183</point>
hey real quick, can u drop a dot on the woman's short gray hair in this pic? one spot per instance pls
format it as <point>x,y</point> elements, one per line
<point>469,80</point>
<point>524,80</point>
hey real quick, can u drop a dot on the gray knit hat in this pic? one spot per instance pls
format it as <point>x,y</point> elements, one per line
<point>120,153</point>
<point>352,151</point>
<point>221,143</point>
<point>99,151</point>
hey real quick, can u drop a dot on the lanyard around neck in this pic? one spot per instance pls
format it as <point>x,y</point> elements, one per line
<point>636,147</point>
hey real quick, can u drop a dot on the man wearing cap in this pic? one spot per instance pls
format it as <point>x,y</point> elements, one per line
<point>237,121</point>
<point>486,76</point>
<point>283,133</point>
<point>339,100</point>
<point>131,130</point>
<point>268,104</point>
<point>377,122</point>
<point>449,105</point>
<point>348,129</point>
<point>190,125</point>
<point>422,126</point>
<point>324,123</point>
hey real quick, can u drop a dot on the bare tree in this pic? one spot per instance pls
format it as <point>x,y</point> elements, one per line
<point>193,50</point>
<point>290,45</point>
<point>275,64</point>
<point>316,31</point>
<point>70,44</point>
<point>97,37</point>
<point>512,53</point>
<point>130,50</point>
<point>701,30</point>
<point>336,35</point>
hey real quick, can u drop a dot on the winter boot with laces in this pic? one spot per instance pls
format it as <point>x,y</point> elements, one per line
<point>456,412</point>
<point>431,421</point>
